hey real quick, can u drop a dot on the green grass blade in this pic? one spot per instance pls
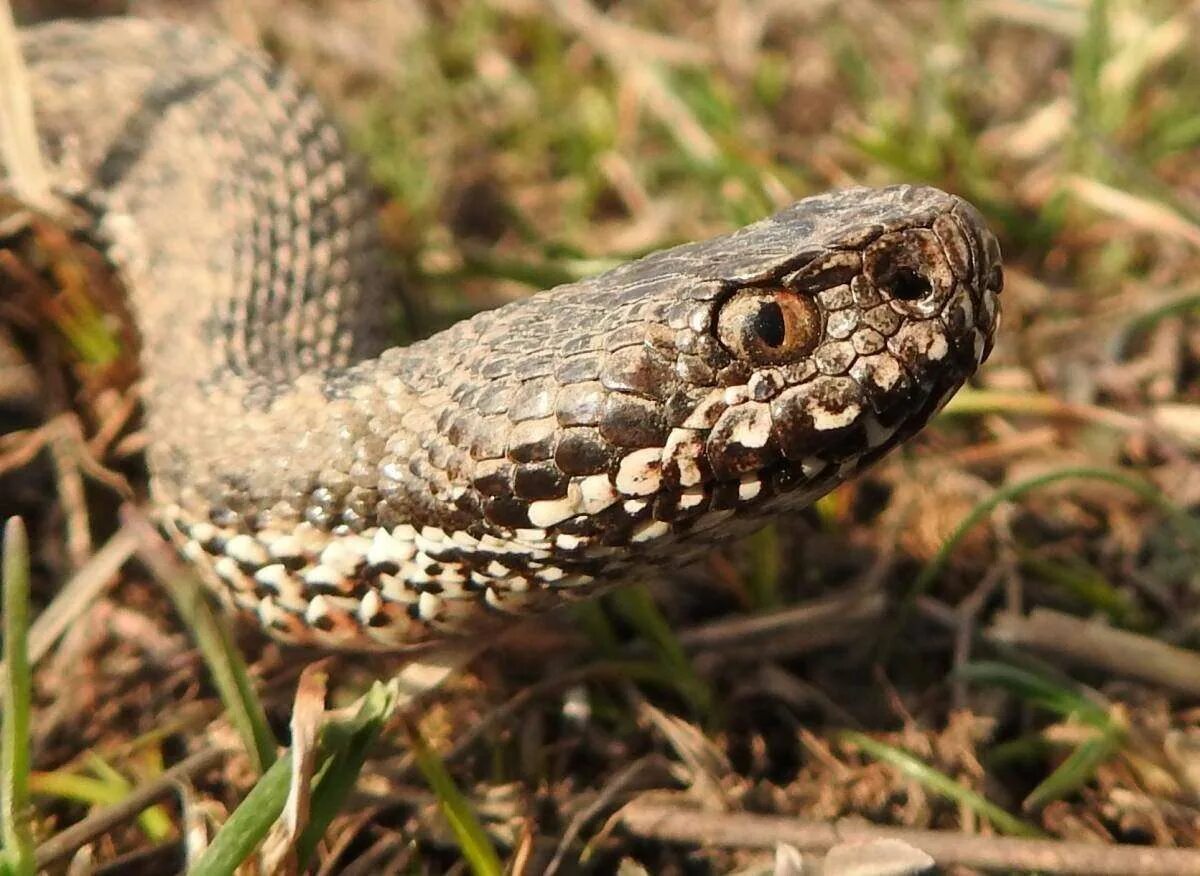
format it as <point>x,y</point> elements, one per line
<point>940,784</point>
<point>1039,691</point>
<point>350,744</point>
<point>472,839</point>
<point>110,788</point>
<point>343,748</point>
<point>154,820</point>
<point>211,634</point>
<point>1074,772</point>
<point>14,736</point>
<point>249,823</point>
<point>229,672</point>
<point>637,606</point>
<point>1080,766</point>
<point>766,568</point>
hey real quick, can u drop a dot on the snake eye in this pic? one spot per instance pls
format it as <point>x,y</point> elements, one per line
<point>769,326</point>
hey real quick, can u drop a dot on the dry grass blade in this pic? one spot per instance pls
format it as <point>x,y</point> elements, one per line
<point>20,154</point>
<point>225,662</point>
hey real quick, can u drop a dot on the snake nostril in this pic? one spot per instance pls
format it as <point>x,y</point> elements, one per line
<point>907,284</point>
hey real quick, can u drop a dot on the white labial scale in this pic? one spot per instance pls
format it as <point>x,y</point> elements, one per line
<point>548,512</point>
<point>345,554</point>
<point>317,609</point>
<point>268,612</point>
<point>369,606</point>
<point>640,472</point>
<point>649,531</point>
<point>683,450</point>
<point>394,589</point>
<point>706,413</point>
<point>749,488</point>
<point>596,493</point>
<point>428,605</point>
<point>202,532</point>
<point>286,547</point>
<point>321,576</point>
<point>567,542</point>
<point>195,552</point>
<point>227,568</point>
<point>752,428</point>
<point>430,540</point>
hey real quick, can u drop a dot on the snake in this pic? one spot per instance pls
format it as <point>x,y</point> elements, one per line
<point>350,494</point>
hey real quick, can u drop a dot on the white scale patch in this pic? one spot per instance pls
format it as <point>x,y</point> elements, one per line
<point>749,488</point>
<point>683,450</point>
<point>752,428</point>
<point>938,347</point>
<point>649,531</point>
<point>547,512</point>
<point>705,415</point>
<point>887,372</point>
<point>596,493</point>
<point>640,473</point>
<point>978,345</point>
<point>825,419</point>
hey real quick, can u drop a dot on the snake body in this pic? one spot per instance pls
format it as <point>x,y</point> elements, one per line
<point>353,496</point>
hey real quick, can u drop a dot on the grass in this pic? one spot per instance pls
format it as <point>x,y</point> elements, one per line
<point>519,145</point>
<point>15,808</point>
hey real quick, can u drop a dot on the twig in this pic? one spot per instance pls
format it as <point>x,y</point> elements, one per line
<point>80,592</point>
<point>808,627</point>
<point>664,821</point>
<point>64,843</point>
<point>615,787</point>
<point>1099,645</point>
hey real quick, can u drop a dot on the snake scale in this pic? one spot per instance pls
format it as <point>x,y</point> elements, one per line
<point>355,496</point>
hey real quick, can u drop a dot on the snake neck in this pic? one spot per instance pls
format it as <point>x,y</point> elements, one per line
<point>222,193</point>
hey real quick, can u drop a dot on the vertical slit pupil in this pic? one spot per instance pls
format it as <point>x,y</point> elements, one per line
<point>769,324</point>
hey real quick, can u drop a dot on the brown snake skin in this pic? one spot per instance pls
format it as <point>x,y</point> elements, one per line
<point>357,497</point>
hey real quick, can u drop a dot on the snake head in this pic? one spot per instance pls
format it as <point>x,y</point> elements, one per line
<point>837,355</point>
<point>710,385</point>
